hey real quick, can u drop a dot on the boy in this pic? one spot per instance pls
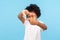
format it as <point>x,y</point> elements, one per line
<point>33,27</point>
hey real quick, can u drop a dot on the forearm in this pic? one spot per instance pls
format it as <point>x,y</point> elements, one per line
<point>20,15</point>
<point>43,26</point>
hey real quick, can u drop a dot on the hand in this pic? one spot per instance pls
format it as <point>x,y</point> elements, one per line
<point>26,12</point>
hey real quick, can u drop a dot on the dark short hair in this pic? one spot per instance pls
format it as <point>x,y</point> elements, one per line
<point>34,8</point>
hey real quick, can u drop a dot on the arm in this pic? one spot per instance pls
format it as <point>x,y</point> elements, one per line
<point>20,16</point>
<point>43,26</point>
<point>23,13</point>
<point>40,24</point>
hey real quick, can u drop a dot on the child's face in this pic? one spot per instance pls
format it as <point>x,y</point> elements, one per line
<point>31,16</point>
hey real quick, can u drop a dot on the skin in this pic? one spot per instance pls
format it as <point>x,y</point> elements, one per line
<point>32,17</point>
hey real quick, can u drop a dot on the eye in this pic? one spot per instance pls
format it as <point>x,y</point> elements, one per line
<point>32,15</point>
<point>27,16</point>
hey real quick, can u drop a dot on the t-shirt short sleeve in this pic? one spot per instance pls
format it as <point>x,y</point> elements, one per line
<point>24,16</point>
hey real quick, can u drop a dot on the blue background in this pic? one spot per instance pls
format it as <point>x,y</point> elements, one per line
<point>11,28</point>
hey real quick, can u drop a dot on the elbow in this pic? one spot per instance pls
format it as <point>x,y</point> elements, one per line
<point>19,16</point>
<point>45,27</point>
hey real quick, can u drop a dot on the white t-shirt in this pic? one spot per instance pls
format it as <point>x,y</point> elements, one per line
<point>32,32</point>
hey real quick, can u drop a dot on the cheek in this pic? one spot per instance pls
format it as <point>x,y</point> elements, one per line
<point>34,17</point>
